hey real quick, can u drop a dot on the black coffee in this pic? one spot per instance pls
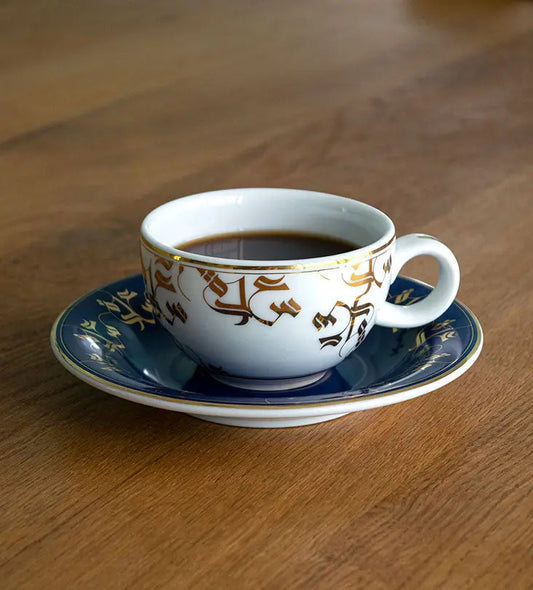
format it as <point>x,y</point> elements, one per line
<point>267,246</point>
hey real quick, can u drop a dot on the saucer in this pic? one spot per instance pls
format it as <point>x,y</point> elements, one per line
<point>110,340</point>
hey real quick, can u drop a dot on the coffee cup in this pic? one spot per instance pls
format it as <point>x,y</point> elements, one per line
<point>277,324</point>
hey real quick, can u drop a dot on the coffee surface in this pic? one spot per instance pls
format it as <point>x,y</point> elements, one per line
<point>267,246</point>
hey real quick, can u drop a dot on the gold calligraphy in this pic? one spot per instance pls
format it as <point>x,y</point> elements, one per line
<point>236,299</point>
<point>158,276</point>
<point>357,278</point>
<point>442,330</point>
<point>121,304</point>
<point>403,298</point>
<point>358,314</point>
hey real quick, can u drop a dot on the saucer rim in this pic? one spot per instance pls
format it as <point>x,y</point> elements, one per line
<point>222,409</point>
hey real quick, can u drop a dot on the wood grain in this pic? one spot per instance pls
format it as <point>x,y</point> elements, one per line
<point>422,108</point>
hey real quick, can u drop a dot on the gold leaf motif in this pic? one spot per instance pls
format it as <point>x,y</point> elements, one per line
<point>114,346</point>
<point>441,325</point>
<point>112,331</point>
<point>446,336</point>
<point>109,305</point>
<point>442,330</point>
<point>108,336</point>
<point>404,298</point>
<point>433,360</point>
<point>126,294</point>
<point>423,350</point>
<point>123,306</point>
<point>147,306</point>
<point>420,340</point>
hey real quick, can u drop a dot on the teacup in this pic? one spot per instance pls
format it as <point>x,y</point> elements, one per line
<point>290,320</point>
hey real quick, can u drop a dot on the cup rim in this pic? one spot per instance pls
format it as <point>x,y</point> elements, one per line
<point>367,251</point>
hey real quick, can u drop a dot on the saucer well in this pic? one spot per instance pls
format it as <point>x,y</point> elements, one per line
<point>109,339</point>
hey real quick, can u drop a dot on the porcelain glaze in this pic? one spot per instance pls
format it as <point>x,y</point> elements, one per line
<point>279,324</point>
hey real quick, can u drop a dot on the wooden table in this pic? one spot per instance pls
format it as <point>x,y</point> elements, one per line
<point>422,108</point>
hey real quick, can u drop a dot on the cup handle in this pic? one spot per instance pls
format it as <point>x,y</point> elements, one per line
<point>438,301</point>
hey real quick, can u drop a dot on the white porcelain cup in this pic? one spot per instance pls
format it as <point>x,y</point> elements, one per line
<point>271,324</point>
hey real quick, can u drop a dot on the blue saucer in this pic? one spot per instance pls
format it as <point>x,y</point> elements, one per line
<point>110,339</point>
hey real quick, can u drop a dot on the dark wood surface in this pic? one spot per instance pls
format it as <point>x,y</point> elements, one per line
<point>421,108</point>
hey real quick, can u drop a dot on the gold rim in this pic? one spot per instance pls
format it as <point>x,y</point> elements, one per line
<point>91,377</point>
<point>263,268</point>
